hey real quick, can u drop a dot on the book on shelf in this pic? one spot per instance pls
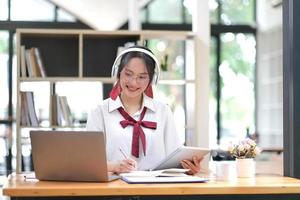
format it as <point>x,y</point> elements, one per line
<point>28,113</point>
<point>32,63</point>
<point>66,111</point>
<point>29,65</point>
<point>23,62</point>
<point>53,106</point>
<point>25,121</point>
<point>61,112</point>
<point>39,61</point>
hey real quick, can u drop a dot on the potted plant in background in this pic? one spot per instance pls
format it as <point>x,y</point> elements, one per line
<point>164,63</point>
<point>245,152</point>
<point>164,67</point>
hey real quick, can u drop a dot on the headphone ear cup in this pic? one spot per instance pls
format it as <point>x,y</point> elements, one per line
<point>155,78</point>
<point>115,71</point>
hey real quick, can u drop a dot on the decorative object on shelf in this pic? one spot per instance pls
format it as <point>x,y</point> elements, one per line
<point>245,152</point>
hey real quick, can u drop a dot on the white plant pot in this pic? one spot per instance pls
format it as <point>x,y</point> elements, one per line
<point>245,168</point>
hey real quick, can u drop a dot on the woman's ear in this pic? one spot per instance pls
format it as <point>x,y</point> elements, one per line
<point>115,91</point>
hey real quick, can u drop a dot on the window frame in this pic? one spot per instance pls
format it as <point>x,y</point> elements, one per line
<point>216,31</point>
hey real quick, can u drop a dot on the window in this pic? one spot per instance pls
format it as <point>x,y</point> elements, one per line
<point>213,93</point>
<point>3,9</point>
<point>237,85</point>
<point>63,16</point>
<point>32,10</point>
<point>4,142</point>
<point>232,103</point>
<point>188,6</point>
<point>170,54</point>
<point>174,95</point>
<point>4,35</point>
<point>213,11</point>
<point>237,12</point>
<point>232,61</point>
<point>159,12</point>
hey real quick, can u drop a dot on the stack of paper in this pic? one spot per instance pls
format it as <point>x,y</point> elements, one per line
<point>187,179</point>
<point>174,172</point>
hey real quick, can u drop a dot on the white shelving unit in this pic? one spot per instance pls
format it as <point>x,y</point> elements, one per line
<point>87,56</point>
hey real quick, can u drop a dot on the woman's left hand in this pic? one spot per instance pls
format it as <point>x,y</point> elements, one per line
<point>192,165</point>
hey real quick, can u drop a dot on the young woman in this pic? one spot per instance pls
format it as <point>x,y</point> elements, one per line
<point>132,120</point>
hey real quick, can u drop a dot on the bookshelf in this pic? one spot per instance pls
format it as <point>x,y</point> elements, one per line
<point>87,56</point>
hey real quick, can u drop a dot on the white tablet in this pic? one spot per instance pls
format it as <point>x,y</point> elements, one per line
<point>182,153</point>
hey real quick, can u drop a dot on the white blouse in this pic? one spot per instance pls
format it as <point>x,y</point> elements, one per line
<point>159,142</point>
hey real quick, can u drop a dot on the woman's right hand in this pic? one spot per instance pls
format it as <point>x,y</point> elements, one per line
<point>123,166</point>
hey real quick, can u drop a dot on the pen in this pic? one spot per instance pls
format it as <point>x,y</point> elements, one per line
<point>123,153</point>
<point>126,157</point>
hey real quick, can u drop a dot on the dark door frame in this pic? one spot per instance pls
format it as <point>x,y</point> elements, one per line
<point>291,87</point>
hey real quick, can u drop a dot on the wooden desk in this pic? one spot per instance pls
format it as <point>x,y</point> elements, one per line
<point>256,188</point>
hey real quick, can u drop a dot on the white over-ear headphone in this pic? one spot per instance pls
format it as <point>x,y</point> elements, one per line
<point>117,61</point>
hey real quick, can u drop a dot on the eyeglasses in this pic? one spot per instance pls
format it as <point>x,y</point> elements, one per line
<point>140,79</point>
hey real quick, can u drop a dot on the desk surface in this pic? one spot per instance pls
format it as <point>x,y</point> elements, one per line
<point>19,187</point>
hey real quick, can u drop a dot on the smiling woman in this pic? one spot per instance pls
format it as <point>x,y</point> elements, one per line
<point>132,120</point>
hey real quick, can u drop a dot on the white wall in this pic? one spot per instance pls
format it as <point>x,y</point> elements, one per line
<point>268,17</point>
<point>269,104</point>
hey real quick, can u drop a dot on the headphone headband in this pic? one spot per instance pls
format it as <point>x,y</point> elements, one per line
<point>115,66</point>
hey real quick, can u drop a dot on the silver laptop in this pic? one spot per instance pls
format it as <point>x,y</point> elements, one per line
<point>69,156</point>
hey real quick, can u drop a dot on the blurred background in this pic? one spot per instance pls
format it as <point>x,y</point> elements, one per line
<point>245,67</point>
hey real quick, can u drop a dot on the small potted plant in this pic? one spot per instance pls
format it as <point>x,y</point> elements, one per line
<point>164,63</point>
<point>164,66</point>
<point>244,152</point>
